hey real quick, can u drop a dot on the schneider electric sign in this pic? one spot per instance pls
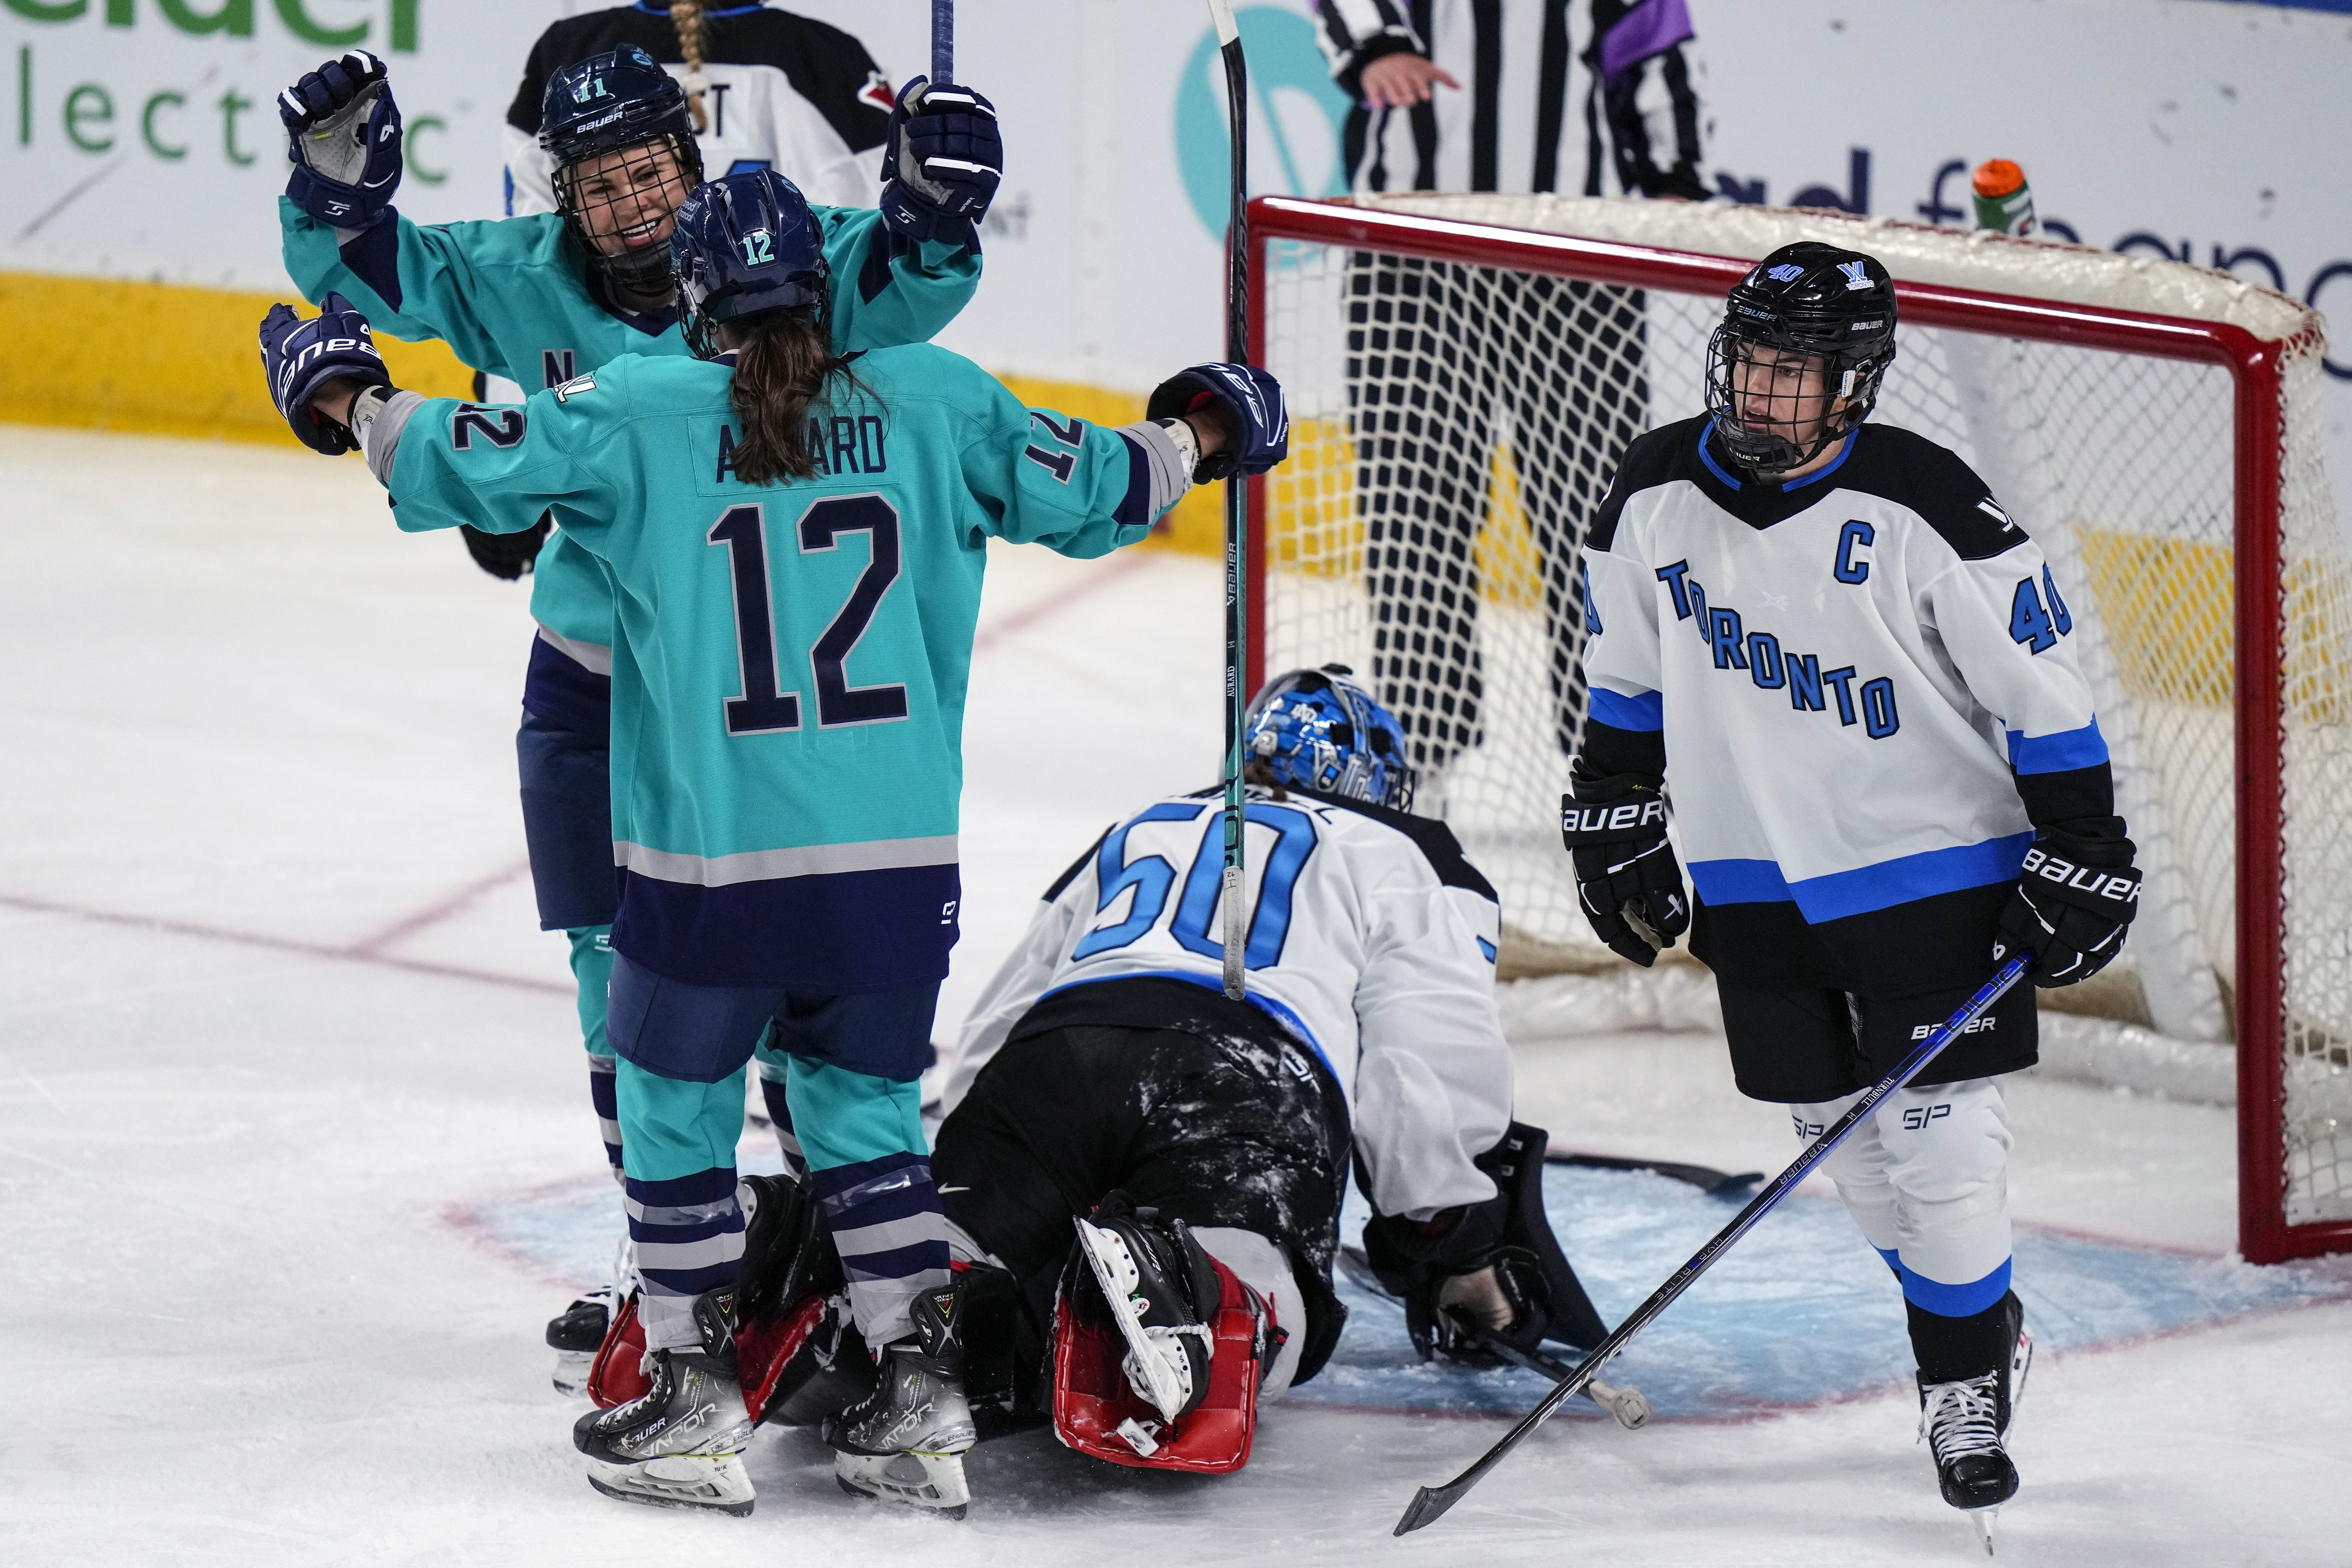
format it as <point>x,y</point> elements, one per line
<point>142,137</point>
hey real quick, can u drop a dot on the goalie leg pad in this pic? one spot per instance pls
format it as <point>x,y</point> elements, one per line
<point>1096,1411</point>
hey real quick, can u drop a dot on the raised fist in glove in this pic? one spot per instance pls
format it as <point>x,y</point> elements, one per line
<point>942,164</point>
<point>1248,402</point>
<point>303,360</point>
<point>2075,897</point>
<point>1626,874</point>
<point>344,131</point>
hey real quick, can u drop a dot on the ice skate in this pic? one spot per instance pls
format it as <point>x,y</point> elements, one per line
<point>575,1334</point>
<point>680,1445</point>
<point>1157,1283</point>
<point>1965,1424</point>
<point>905,1442</point>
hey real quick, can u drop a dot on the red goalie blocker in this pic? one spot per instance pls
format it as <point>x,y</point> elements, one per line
<point>775,1359</point>
<point>1097,1413</point>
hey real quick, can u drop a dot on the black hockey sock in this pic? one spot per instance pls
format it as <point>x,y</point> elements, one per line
<point>1951,1349</point>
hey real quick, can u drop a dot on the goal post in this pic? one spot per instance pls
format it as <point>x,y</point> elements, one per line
<point>1463,371</point>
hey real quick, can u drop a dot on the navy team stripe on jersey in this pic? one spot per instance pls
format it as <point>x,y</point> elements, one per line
<point>2060,753</point>
<point>1835,464</point>
<point>1647,711</point>
<point>857,931</point>
<point>1864,888</point>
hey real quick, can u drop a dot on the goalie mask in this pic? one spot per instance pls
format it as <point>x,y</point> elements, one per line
<point>744,245</point>
<point>1805,341</point>
<point>618,127</point>
<point>1316,731</point>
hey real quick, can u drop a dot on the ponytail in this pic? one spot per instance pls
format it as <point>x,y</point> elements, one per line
<point>785,365</point>
<point>686,15</point>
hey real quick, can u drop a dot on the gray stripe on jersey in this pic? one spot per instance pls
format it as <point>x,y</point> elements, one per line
<point>594,657</point>
<point>773,865</point>
<point>380,438</point>
<point>1171,475</point>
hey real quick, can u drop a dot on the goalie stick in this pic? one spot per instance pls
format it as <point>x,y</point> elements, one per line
<point>1707,1178</point>
<point>1429,1504</point>
<point>1229,45</point>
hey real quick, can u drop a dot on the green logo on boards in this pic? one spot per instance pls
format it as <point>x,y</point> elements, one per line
<point>236,18</point>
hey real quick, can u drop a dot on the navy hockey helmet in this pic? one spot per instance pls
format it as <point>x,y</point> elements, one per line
<point>608,103</point>
<point>1315,730</point>
<point>746,244</point>
<point>1831,306</point>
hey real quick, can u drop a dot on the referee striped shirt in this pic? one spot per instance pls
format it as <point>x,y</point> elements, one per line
<point>1590,97</point>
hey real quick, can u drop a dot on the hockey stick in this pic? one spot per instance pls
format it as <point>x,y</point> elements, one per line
<point>1631,1410</point>
<point>1707,1178</point>
<point>942,41</point>
<point>1430,1504</point>
<point>1229,45</point>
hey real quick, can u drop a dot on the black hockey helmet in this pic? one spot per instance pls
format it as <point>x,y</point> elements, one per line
<point>745,245</point>
<point>610,103</point>
<point>1829,304</point>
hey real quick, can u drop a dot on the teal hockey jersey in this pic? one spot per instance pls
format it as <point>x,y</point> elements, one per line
<point>513,297</point>
<point>790,660</point>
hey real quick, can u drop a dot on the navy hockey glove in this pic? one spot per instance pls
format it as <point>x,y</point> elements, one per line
<point>942,164</point>
<point>344,135</point>
<point>302,359</point>
<point>1626,874</point>
<point>2075,897</point>
<point>507,556</point>
<point>1258,423</point>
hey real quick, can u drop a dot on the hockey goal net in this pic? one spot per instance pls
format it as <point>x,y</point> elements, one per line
<point>1463,373</point>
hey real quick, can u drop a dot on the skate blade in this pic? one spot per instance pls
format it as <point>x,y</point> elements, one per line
<point>1114,1267</point>
<point>572,1369</point>
<point>933,1482</point>
<point>1982,1518</point>
<point>717,1484</point>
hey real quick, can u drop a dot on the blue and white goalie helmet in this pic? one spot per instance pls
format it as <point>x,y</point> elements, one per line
<point>1315,730</point>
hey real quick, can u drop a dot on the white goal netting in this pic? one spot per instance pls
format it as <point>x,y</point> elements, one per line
<point>1455,422</point>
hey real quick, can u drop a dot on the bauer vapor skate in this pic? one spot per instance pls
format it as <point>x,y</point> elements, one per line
<point>905,1442</point>
<point>1966,1424</point>
<point>681,1444</point>
<point>1161,1287</point>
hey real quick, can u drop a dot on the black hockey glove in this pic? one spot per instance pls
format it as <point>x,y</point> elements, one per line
<point>2074,898</point>
<point>303,359</point>
<point>1256,419</point>
<point>1626,874</point>
<point>344,135</point>
<point>507,556</point>
<point>943,162</point>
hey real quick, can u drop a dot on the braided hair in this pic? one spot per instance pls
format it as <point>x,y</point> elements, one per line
<point>687,17</point>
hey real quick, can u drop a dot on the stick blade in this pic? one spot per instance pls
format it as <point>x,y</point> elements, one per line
<point>1428,1506</point>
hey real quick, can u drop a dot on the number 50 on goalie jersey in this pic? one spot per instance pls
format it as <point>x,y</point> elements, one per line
<point>1862,687</point>
<point>1372,940</point>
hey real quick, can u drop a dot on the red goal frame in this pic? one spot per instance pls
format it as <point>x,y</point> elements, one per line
<point>2255,369</point>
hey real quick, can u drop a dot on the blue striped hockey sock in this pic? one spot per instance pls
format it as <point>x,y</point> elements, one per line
<point>679,1156</point>
<point>773,1076</point>
<point>872,1171</point>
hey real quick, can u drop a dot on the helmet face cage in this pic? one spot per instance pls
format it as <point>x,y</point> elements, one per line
<point>617,128</point>
<point>629,197</point>
<point>1312,731</point>
<point>1826,319</point>
<point>744,246</point>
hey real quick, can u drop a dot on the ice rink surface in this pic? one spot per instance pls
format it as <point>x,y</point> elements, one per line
<point>283,1049</point>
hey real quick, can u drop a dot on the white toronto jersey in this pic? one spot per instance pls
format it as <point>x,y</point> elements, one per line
<point>756,117</point>
<point>1372,940</point>
<point>1855,677</point>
